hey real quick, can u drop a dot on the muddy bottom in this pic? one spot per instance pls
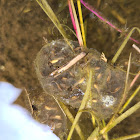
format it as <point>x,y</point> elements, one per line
<point>25,29</point>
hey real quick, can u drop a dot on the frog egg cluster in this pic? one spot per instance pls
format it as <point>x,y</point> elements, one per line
<point>69,85</point>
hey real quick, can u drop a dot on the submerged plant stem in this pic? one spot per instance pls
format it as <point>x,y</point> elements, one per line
<point>122,117</point>
<point>75,21</point>
<point>103,19</point>
<point>47,9</point>
<point>135,79</point>
<point>130,99</point>
<point>94,134</point>
<point>128,137</point>
<point>71,118</point>
<point>136,48</point>
<point>122,100</point>
<point>81,22</point>
<point>123,45</point>
<point>105,135</point>
<point>84,101</point>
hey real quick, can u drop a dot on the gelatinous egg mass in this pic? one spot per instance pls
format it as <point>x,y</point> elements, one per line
<point>69,85</point>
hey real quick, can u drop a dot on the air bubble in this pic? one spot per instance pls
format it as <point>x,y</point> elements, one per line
<point>108,100</point>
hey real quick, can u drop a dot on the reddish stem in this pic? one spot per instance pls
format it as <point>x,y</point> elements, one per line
<point>89,7</point>
<point>72,18</point>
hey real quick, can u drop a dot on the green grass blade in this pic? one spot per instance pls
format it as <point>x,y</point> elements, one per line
<point>81,22</point>
<point>95,119</point>
<point>47,9</point>
<point>123,45</point>
<point>94,134</point>
<point>128,137</point>
<point>130,99</point>
<point>123,116</point>
<point>71,118</point>
<point>84,101</point>
<point>79,36</point>
<point>105,135</point>
<point>122,100</point>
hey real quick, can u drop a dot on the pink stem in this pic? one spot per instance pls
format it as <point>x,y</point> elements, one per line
<point>72,18</point>
<point>134,40</point>
<point>103,19</point>
<point>134,80</point>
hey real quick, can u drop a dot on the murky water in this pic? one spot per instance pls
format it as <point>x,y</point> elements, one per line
<point>25,29</point>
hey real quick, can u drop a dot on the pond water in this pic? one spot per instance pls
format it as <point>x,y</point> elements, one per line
<point>25,29</point>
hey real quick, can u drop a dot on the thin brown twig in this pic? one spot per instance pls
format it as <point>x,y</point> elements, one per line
<point>29,101</point>
<point>58,102</point>
<point>135,79</point>
<point>136,48</point>
<point>70,64</point>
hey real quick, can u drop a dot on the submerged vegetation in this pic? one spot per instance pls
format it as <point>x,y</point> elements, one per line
<point>53,71</point>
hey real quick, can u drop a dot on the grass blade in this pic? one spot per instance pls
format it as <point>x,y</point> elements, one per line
<point>128,137</point>
<point>105,135</point>
<point>81,22</point>
<point>94,134</point>
<point>90,8</point>
<point>71,118</point>
<point>47,9</point>
<point>123,116</point>
<point>130,99</point>
<point>75,22</point>
<point>135,79</point>
<point>123,45</point>
<point>84,101</point>
<point>122,100</point>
